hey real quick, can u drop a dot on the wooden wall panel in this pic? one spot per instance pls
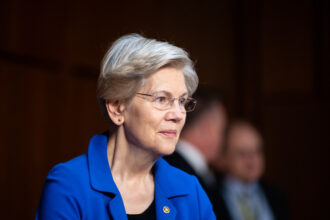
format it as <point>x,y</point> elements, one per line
<point>287,46</point>
<point>37,29</point>
<point>46,118</point>
<point>296,140</point>
<point>270,59</point>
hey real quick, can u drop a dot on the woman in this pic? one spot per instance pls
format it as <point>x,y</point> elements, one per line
<point>143,88</point>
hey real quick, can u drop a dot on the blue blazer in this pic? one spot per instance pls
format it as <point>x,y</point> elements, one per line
<point>83,188</point>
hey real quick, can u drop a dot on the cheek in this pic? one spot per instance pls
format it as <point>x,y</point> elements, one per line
<point>139,123</point>
<point>260,164</point>
<point>154,119</point>
<point>148,126</point>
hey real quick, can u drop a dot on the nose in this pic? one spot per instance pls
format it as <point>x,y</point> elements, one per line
<point>176,113</point>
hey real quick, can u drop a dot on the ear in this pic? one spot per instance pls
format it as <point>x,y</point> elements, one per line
<point>115,111</point>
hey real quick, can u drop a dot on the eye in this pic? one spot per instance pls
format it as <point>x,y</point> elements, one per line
<point>182,100</point>
<point>161,99</point>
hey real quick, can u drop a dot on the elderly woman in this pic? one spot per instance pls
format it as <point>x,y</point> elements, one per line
<point>144,89</point>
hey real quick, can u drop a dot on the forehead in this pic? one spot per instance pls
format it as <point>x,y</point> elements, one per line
<point>243,137</point>
<point>167,79</point>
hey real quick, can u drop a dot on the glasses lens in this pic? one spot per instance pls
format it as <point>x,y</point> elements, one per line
<point>161,101</point>
<point>190,105</point>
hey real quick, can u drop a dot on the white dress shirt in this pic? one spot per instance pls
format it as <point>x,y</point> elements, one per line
<point>196,160</point>
<point>234,188</point>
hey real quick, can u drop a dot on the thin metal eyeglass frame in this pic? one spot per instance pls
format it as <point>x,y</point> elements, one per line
<point>172,101</point>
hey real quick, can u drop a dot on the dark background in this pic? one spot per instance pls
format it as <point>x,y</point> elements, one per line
<point>270,59</point>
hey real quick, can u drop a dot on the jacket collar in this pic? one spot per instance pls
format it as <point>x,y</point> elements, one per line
<point>166,176</point>
<point>167,186</point>
<point>167,181</point>
<point>100,174</point>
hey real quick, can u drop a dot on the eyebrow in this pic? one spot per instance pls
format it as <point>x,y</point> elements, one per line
<point>168,93</point>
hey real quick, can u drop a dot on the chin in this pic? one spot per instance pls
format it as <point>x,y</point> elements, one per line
<point>166,146</point>
<point>166,149</point>
<point>250,179</point>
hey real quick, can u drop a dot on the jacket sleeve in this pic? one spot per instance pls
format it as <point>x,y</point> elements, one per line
<point>58,200</point>
<point>205,206</point>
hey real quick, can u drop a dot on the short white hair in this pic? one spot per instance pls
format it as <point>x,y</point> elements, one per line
<point>132,59</point>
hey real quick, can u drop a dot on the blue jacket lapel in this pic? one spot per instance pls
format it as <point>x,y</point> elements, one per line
<point>100,173</point>
<point>167,182</point>
<point>101,177</point>
<point>167,186</point>
<point>165,210</point>
<point>117,209</point>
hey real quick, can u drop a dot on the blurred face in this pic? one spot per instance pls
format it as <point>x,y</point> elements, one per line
<point>151,128</point>
<point>244,156</point>
<point>213,129</point>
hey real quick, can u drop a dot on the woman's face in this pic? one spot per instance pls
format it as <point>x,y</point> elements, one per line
<point>151,128</point>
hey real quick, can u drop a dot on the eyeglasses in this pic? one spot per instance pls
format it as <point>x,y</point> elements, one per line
<point>164,101</point>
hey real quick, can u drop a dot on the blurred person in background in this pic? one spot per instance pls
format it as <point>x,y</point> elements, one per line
<point>144,90</point>
<point>201,141</point>
<point>244,195</point>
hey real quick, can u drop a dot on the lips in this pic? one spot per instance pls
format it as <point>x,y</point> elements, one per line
<point>169,133</point>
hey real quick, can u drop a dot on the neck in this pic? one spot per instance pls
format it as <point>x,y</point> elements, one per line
<point>128,162</point>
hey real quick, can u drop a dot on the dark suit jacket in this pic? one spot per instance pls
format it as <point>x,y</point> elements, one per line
<point>275,199</point>
<point>178,161</point>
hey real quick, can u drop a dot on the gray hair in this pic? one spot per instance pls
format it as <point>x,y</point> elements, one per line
<point>131,60</point>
